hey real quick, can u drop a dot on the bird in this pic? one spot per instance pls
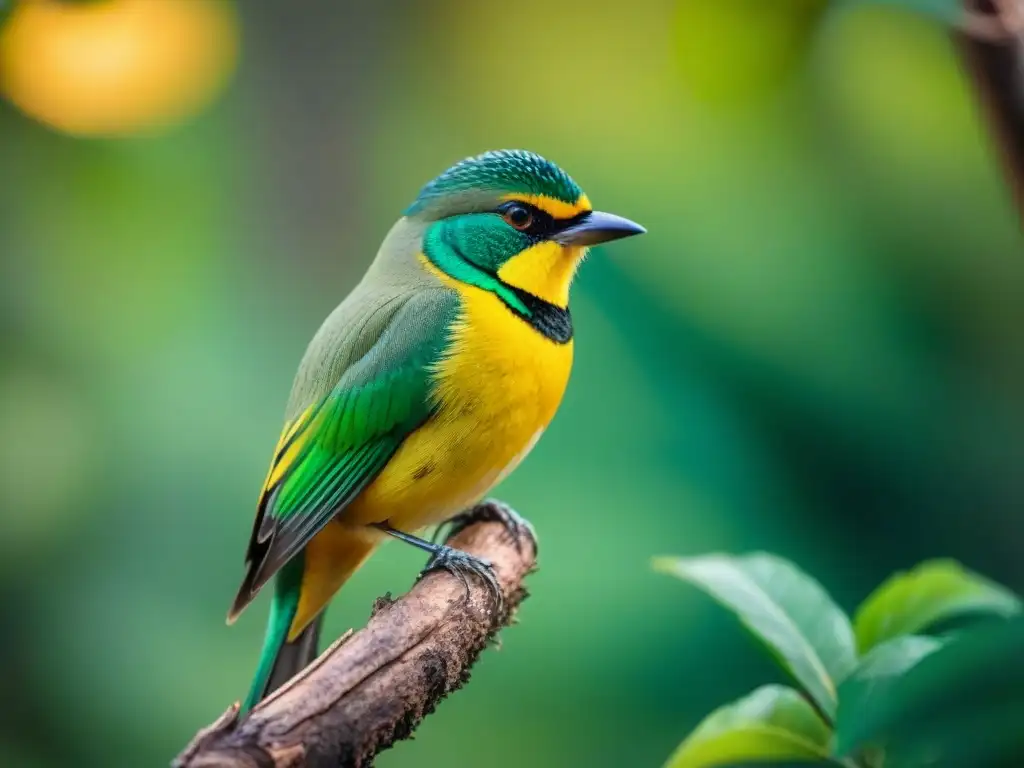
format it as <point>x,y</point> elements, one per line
<point>422,390</point>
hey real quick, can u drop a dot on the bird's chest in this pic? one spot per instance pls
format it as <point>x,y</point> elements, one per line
<point>499,387</point>
<point>495,391</point>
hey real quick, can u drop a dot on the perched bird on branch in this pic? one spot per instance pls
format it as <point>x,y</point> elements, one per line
<point>422,390</point>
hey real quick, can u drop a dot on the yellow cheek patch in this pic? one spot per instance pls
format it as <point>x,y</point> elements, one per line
<point>546,270</point>
<point>558,209</point>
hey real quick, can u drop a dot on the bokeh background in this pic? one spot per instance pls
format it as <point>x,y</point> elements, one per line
<point>817,350</point>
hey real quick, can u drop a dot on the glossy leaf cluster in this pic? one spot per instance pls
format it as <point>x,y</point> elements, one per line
<point>884,689</point>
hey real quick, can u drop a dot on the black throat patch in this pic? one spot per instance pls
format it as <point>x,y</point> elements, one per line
<point>552,321</point>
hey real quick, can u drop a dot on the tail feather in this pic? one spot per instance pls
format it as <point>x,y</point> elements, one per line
<point>295,656</point>
<point>280,660</point>
<point>302,589</point>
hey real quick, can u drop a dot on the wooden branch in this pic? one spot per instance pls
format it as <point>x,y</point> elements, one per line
<point>991,45</point>
<point>372,688</point>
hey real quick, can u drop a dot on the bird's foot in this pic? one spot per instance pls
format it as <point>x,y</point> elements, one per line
<point>494,511</point>
<point>461,564</point>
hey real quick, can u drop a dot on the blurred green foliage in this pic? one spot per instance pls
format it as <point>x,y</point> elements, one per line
<point>959,704</point>
<point>882,706</point>
<point>818,349</point>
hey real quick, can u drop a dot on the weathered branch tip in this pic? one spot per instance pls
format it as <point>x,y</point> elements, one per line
<point>373,687</point>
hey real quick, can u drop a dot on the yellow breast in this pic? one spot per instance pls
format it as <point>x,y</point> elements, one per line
<point>497,391</point>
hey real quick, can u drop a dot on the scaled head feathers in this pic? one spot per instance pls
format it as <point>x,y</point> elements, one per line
<point>497,172</point>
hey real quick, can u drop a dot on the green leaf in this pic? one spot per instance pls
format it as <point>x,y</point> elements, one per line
<point>891,658</point>
<point>785,608</point>
<point>772,723</point>
<point>936,590</point>
<point>871,680</point>
<point>961,705</point>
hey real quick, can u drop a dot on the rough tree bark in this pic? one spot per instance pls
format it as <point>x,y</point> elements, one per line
<point>372,688</point>
<point>991,45</point>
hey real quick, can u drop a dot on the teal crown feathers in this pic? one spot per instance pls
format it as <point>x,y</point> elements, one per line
<point>507,170</point>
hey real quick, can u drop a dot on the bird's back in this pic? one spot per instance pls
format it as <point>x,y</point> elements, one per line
<point>356,325</point>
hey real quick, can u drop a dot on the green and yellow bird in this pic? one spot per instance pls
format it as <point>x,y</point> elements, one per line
<point>423,389</point>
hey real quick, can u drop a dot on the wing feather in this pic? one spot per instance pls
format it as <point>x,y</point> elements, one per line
<point>339,444</point>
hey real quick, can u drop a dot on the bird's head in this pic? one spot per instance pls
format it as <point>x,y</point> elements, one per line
<point>513,223</point>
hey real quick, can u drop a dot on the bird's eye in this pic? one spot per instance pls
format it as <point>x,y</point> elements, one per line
<point>519,216</point>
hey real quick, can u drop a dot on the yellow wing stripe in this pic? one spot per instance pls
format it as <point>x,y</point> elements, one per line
<point>279,466</point>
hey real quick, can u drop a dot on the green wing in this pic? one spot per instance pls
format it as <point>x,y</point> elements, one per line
<point>340,443</point>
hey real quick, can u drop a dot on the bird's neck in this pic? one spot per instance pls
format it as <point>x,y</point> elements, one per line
<point>546,270</point>
<point>550,318</point>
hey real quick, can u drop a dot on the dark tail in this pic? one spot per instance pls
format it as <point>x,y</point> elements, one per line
<point>281,660</point>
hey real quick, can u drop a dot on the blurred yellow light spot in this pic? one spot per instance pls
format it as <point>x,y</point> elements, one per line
<point>115,67</point>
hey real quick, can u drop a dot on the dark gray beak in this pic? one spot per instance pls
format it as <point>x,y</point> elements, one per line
<point>597,227</point>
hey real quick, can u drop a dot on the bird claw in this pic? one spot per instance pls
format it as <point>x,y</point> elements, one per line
<point>494,511</point>
<point>459,564</point>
